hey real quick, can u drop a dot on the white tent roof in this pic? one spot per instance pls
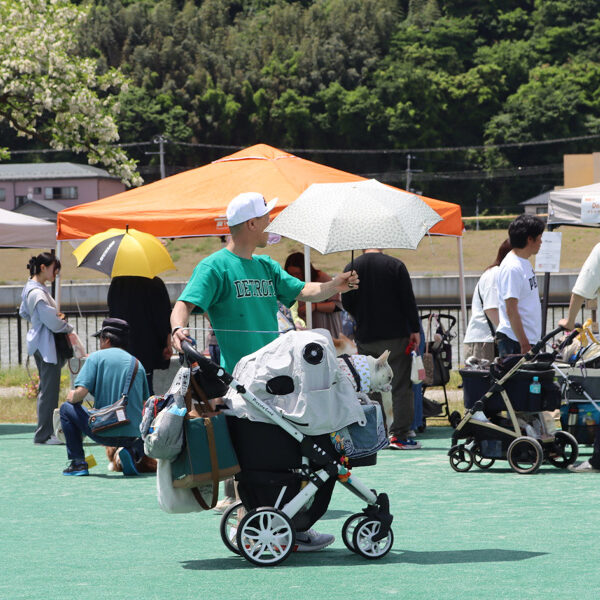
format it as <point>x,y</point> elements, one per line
<point>23,231</point>
<point>564,206</point>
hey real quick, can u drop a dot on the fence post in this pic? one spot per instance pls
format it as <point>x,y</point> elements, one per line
<point>19,340</point>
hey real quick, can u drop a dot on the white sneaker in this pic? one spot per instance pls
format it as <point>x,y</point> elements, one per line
<point>411,433</point>
<point>222,505</point>
<point>583,467</point>
<point>311,540</point>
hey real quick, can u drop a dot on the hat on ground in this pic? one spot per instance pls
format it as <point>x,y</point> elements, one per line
<point>115,326</point>
<point>246,206</point>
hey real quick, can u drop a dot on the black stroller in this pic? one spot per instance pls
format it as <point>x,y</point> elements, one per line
<point>504,419</point>
<point>286,480</point>
<point>438,363</point>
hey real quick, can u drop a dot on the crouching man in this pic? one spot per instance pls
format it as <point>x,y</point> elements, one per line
<point>104,375</point>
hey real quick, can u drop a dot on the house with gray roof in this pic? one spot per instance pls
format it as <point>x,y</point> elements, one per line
<point>538,205</point>
<point>42,189</point>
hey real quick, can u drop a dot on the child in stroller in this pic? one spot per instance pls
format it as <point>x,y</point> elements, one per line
<point>508,420</point>
<point>288,463</point>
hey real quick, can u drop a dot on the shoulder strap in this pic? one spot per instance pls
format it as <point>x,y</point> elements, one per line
<point>346,358</point>
<point>131,374</point>
<point>490,324</point>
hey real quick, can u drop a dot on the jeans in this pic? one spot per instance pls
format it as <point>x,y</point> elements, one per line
<point>74,421</point>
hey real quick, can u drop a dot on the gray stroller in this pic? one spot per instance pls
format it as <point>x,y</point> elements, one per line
<point>287,476</point>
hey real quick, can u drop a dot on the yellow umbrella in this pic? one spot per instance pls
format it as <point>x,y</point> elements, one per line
<point>119,252</point>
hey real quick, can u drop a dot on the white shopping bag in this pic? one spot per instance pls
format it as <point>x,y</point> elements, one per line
<point>417,370</point>
<point>177,500</point>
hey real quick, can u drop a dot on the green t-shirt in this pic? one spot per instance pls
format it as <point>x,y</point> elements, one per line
<point>104,374</point>
<point>240,297</point>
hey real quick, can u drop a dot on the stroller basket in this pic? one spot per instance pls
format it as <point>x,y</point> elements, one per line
<point>476,383</point>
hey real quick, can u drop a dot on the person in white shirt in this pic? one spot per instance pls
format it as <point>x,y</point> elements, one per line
<point>520,310</point>
<point>586,286</point>
<point>479,337</point>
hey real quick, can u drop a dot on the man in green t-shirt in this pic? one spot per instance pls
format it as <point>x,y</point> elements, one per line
<point>239,292</point>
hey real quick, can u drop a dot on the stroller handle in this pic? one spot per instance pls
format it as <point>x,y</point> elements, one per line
<point>538,346</point>
<point>206,365</point>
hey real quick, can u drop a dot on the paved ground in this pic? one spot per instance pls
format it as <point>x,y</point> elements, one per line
<point>479,534</point>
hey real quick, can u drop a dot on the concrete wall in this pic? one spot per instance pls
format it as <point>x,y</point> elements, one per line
<point>428,290</point>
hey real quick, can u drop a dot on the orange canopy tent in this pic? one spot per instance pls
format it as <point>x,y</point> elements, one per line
<point>193,203</point>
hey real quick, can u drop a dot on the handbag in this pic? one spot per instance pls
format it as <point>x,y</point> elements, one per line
<point>417,368</point>
<point>64,348</point>
<point>101,419</point>
<point>57,426</point>
<point>208,455</point>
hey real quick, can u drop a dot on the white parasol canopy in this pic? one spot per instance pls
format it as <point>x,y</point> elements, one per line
<point>335,217</point>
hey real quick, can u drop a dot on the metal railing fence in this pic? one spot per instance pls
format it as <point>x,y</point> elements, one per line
<point>13,330</point>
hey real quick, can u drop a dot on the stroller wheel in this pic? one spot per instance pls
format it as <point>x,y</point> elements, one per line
<point>265,536</point>
<point>362,539</point>
<point>525,455</point>
<point>461,458</point>
<point>564,450</point>
<point>229,525</point>
<point>481,461</point>
<point>348,530</point>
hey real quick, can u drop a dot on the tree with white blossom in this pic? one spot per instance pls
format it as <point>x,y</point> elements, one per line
<point>50,93</point>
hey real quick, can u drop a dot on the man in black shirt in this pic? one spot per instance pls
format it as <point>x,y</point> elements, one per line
<point>386,317</point>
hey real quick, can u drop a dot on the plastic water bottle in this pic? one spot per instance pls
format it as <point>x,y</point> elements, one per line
<point>535,387</point>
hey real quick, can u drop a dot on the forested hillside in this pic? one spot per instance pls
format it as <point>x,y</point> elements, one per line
<point>362,74</point>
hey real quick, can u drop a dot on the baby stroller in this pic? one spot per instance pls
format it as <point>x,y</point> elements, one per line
<point>286,476</point>
<point>507,421</point>
<point>437,359</point>
<point>579,378</point>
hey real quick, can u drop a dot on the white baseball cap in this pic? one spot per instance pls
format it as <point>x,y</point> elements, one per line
<point>246,206</point>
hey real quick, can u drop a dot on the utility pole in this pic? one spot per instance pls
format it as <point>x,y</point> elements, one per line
<point>408,171</point>
<point>161,140</point>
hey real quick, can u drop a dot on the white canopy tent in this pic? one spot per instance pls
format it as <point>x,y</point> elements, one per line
<point>579,206</point>
<point>23,231</point>
<point>565,206</point>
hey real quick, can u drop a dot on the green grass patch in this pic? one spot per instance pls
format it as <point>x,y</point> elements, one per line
<point>14,376</point>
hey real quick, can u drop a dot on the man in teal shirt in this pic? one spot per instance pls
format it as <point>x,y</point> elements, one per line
<point>239,292</point>
<point>105,375</point>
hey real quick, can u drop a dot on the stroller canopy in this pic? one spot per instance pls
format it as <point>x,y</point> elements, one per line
<point>298,376</point>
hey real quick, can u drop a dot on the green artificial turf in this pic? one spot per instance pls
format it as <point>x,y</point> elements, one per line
<point>482,534</point>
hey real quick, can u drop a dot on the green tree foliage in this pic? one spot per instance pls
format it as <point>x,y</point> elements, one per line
<point>357,73</point>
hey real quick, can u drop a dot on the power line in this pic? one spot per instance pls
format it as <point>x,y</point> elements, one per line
<point>349,150</point>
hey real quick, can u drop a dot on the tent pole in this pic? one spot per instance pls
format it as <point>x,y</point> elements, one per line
<point>307,280</point>
<point>461,284</point>
<point>546,294</point>
<point>58,277</point>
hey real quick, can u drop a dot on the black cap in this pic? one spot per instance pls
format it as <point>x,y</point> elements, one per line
<point>112,325</point>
